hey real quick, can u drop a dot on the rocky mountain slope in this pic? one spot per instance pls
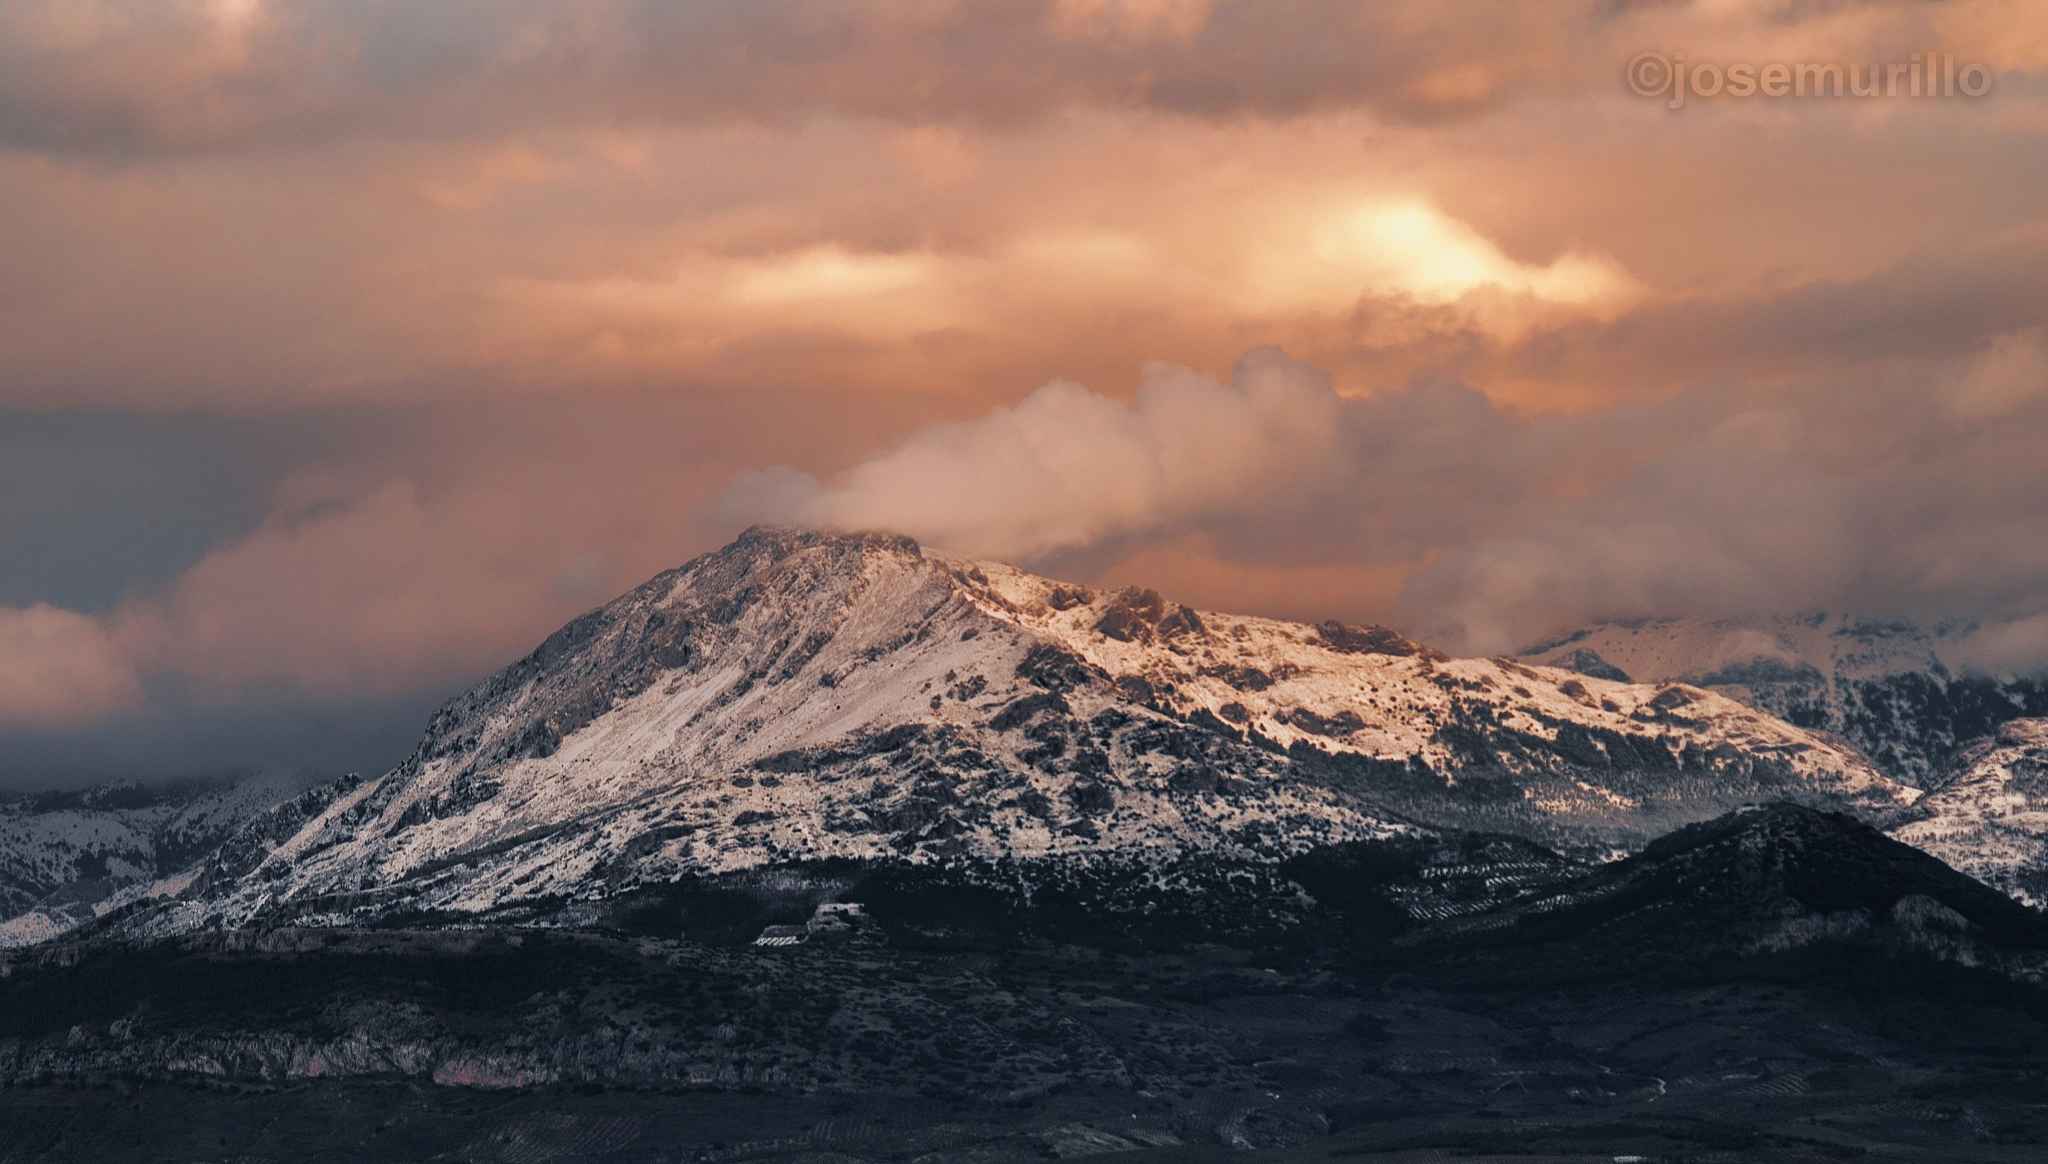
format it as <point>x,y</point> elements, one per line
<point>66,857</point>
<point>1988,813</point>
<point>803,696</point>
<point>1767,880</point>
<point>1895,689</point>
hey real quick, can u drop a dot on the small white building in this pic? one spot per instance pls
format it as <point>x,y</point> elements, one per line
<point>831,919</point>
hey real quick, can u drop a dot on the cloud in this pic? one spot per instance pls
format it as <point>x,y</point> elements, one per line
<point>202,75</point>
<point>624,264</point>
<point>376,596</point>
<point>1499,526</point>
<point>2012,371</point>
<point>2006,647</point>
<point>388,234</point>
<point>1273,461</point>
<point>1430,506</point>
<point>381,596</point>
<point>1067,468</point>
<point>1131,20</point>
<point>532,280</point>
<point>1407,252</point>
<point>405,554</point>
<point>58,668</point>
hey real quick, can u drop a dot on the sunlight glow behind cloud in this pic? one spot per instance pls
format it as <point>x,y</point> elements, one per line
<point>534,281</point>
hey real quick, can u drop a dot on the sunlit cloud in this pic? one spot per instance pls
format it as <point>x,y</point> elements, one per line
<point>1407,250</point>
<point>59,668</point>
<point>1558,352</point>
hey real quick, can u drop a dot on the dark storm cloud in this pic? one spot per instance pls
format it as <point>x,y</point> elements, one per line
<point>212,75</point>
<point>96,506</point>
<point>176,738</point>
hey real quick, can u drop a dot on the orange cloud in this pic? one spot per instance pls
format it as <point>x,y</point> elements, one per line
<point>1564,352</point>
<point>58,668</point>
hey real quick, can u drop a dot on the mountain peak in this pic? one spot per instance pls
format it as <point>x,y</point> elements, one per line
<point>799,696</point>
<point>780,541</point>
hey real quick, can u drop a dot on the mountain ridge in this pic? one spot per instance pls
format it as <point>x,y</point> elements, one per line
<point>1987,814</point>
<point>802,695</point>
<point>67,857</point>
<point>1901,692</point>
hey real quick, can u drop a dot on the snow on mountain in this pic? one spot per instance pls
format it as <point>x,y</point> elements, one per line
<point>1894,689</point>
<point>1988,816</point>
<point>799,696</point>
<point>67,857</point>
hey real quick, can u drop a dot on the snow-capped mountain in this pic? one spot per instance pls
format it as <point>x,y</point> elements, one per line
<point>1988,813</point>
<point>800,696</point>
<point>66,857</point>
<point>1895,689</point>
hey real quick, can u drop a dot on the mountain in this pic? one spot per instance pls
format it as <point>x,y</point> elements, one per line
<point>1895,689</point>
<point>801,696</point>
<point>1763,881</point>
<point>1779,984</point>
<point>1988,813</point>
<point>66,857</point>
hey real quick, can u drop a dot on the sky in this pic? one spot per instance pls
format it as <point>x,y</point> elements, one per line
<point>349,347</point>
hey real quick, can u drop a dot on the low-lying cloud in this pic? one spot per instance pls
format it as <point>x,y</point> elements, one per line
<point>401,556</point>
<point>1067,469</point>
<point>1902,498</point>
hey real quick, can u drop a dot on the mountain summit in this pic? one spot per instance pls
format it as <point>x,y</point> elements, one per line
<point>800,696</point>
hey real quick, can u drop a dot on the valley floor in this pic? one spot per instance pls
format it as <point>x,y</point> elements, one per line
<point>991,1052</point>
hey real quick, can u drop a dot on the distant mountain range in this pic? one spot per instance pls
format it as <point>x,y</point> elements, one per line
<point>67,857</point>
<point>1892,688</point>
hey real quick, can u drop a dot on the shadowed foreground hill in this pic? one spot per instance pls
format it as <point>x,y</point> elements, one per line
<point>1762,886</point>
<point>1779,984</point>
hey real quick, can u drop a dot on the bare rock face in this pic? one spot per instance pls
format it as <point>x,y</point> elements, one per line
<point>1988,813</point>
<point>1376,640</point>
<point>801,696</point>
